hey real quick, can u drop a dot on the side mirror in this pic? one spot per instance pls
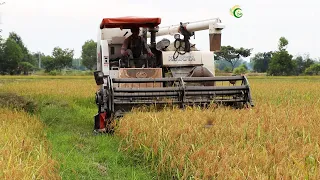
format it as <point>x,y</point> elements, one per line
<point>98,76</point>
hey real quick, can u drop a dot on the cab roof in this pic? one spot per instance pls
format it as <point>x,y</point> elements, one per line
<point>129,21</point>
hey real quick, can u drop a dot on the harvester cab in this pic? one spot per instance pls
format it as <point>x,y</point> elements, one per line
<point>177,74</point>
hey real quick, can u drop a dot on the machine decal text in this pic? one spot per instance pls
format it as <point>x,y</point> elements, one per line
<point>182,58</point>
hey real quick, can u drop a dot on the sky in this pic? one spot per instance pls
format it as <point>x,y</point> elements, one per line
<point>45,24</point>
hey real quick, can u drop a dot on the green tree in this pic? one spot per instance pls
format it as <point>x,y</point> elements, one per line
<point>232,55</point>
<point>89,54</point>
<point>26,67</point>
<point>283,43</point>
<point>242,69</point>
<point>244,66</point>
<point>62,57</point>
<point>261,61</point>
<point>227,69</point>
<point>2,59</point>
<point>281,62</point>
<point>303,63</point>
<point>314,69</point>
<point>15,37</point>
<point>27,56</point>
<point>222,65</point>
<point>12,56</point>
<point>48,63</point>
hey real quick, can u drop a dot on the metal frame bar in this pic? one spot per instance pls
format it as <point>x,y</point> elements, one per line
<point>185,79</point>
<point>246,82</point>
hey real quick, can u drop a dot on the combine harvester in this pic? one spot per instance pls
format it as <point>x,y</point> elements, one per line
<point>181,76</point>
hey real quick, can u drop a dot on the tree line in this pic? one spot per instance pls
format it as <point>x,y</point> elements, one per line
<point>15,58</point>
<point>274,63</point>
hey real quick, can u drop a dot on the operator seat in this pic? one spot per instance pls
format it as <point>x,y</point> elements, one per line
<point>115,47</point>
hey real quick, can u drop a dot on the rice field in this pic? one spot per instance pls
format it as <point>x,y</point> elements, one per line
<point>277,139</point>
<point>24,151</point>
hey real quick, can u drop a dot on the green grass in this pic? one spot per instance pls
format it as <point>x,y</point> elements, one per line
<point>80,153</point>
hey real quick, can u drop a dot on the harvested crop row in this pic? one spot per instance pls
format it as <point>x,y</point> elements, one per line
<point>23,148</point>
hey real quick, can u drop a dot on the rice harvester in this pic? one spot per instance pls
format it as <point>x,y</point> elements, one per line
<point>178,73</point>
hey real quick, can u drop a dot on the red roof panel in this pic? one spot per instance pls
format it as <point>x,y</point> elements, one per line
<point>130,21</point>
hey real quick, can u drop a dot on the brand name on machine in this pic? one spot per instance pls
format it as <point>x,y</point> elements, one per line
<point>182,58</point>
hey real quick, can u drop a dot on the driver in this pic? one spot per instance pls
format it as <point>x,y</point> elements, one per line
<point>134,47</point>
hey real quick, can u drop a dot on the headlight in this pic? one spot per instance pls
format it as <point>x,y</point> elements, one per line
<point>164,43</point>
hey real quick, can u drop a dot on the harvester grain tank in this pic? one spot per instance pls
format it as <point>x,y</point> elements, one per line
<point>178,73</point>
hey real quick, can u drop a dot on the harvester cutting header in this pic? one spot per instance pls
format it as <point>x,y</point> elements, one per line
<point>132,72</point>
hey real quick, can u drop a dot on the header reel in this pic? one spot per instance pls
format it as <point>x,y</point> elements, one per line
<point>120,95</point>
